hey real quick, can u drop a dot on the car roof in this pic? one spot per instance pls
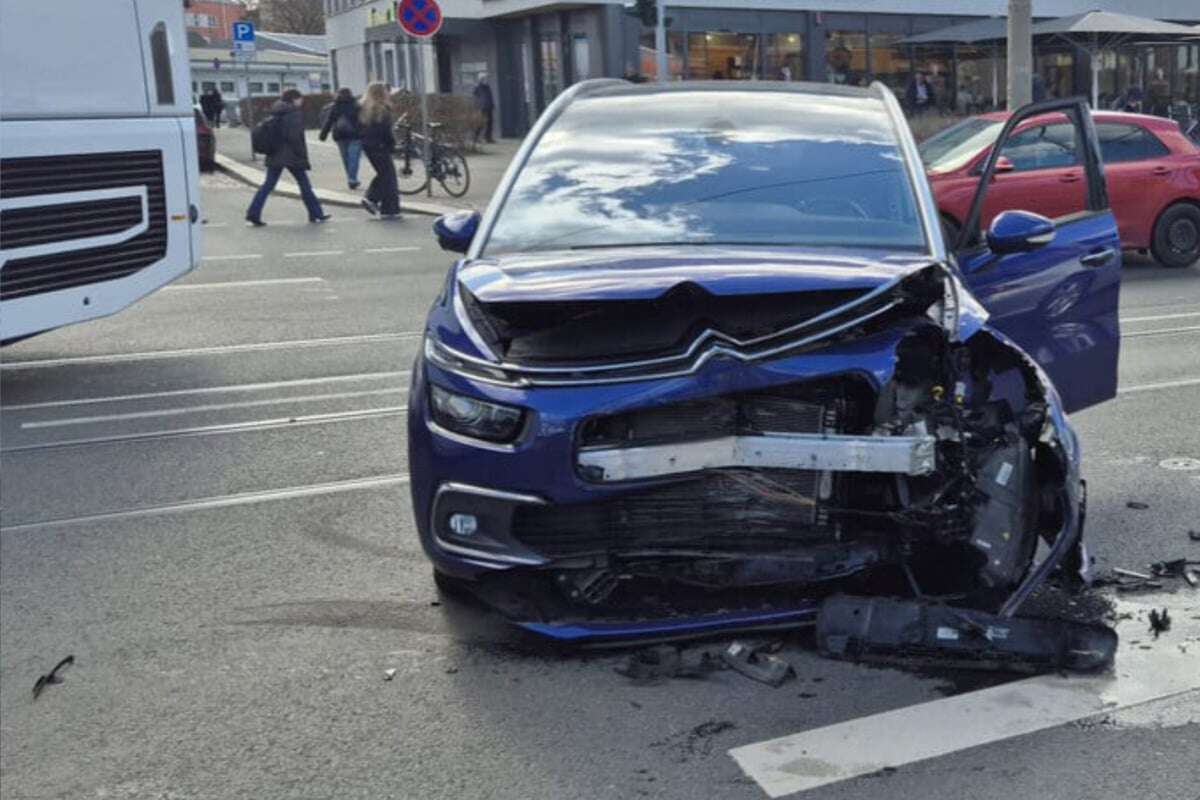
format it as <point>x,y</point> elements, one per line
<point>1145,120</point>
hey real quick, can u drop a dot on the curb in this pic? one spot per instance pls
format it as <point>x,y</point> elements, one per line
<point>252,176</point>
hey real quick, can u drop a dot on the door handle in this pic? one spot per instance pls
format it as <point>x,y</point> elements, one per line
<point>1160,170</point>
<point>1069,177</point>
<point>1098,258</point>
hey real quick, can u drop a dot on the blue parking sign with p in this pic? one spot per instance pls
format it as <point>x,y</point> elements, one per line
<point>243,31</point>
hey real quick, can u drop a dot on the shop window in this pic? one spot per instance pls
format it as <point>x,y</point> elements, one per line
<point>273,88</point>
<point>226,86</point>
<point>982,79</point>
<point>208,85</point>
<point>723,56</point>
<point>890,61</point>
<point>552,81</point>
<point>256,87</point>
<point>785,57</point>
<point>648,56</point>
<point>581,58</point>
<point>937,63</point>
<point>1057,71</point>
<point>846,57</point>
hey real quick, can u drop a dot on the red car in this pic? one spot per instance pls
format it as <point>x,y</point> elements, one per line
<point>1153,173</point>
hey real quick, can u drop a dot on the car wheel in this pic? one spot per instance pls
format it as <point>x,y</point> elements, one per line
<point>1176,240</point>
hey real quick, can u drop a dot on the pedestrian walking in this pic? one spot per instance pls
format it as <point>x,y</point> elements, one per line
<point>343,122</point>
<point>378,142</point>
<point>920,94</point>
<point>280,138</point>
<point>486,104</point>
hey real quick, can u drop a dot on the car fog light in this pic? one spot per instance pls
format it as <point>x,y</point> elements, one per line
<point>463,524</point>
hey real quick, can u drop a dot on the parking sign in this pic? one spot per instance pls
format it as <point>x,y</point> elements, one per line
<point>243,39</point>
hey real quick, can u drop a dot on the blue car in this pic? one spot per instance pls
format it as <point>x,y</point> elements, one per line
<point>707,357</point>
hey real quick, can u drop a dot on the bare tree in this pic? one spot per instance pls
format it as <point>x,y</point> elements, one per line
<point>292,16</point>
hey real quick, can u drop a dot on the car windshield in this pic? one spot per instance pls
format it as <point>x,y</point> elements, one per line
<point>954,147</point>
<point>712,168</point>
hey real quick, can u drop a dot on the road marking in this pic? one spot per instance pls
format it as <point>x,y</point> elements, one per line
<point>1188,329</point>
<point>315,253</point>
<point>183,287</point>
<point>866,745</point>
<point>182,410</point>
<point>391,249</point>
<point>226,500</point>
<point>1150,387</point>
<point>333,341</point>
<point>211,430</point>
<point>1161,316</point>
<point>242,257</point>
<point>207,224</point>
<point>238,387</point>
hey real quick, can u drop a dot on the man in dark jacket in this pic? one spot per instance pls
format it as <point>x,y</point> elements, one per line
<point>486,105</point>
<point>292,155</point>
<point>343,122</point>
<point>920,95</point>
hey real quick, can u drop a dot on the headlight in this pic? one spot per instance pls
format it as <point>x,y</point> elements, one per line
<point>478,419</point>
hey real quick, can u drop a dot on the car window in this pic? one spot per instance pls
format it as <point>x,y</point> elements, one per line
<point>1121,141</point>
<point>160,53</point>
<point>1042,147</point>
<point>701,167</point>
<point>953,147</point>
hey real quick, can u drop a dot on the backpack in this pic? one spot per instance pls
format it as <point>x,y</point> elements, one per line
<point>344,128</point>
<point>267,136</point>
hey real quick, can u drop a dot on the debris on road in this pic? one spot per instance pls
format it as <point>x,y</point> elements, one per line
<point>922,633</point>
<point>660,663</point>
<point>757,664</point>
<point>1177,568</point>
<point>1160,621</point>
<point>1137,505</point>
<point>1194,536</point>
<point>389,673</point>
<point>1128,573</point>
<point>52,677</point>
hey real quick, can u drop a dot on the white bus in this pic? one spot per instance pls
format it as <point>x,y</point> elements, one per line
<point>99,181</point>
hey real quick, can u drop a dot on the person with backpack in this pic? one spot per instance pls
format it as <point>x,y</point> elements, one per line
<point>342,121</point>
<point>280,138</point>
<point>378,142</point>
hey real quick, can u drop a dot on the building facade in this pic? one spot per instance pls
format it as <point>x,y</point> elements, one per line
<point>212,19</point>
<point>531,50</point>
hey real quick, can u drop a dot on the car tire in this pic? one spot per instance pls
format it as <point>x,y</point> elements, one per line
<point>1176,239</point>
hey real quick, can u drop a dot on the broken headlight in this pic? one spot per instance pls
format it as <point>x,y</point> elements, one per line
<point>478,419</point>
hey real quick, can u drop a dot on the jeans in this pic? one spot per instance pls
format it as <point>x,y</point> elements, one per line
<point>351,150</point>
<point>384,190</point>
<point>306,193</point>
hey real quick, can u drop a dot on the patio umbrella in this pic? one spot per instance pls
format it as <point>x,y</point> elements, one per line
<point>992,30</point>
<point>1097,31</point>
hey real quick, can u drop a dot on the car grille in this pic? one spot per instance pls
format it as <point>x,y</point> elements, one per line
<point>63,223</point>
<point>730,511</point>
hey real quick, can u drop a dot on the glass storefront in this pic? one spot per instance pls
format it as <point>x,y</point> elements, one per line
<point>846,58</point>
<point>552,82</point>
<point>891,62</point>
<point>1057,71</point>
<point>784,59</point>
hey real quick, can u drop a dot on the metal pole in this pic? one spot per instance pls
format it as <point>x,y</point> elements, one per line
<point>660,41</point>
<point>1020,53</point>
<point>250,111</point>
<point>425,123</point>
<point>1094,56</point>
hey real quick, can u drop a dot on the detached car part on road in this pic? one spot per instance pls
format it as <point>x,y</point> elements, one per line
<point>707,357</point>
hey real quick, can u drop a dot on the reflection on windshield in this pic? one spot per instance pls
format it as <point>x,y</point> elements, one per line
<point>696,167</point>
<point>952,148</point>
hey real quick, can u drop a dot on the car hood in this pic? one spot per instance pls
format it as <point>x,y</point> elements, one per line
<point>649,273</point>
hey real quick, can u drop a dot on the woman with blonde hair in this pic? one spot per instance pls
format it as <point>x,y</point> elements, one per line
<point>383,195</point>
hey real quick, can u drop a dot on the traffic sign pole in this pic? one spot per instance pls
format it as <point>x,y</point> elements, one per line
<point>421,19</point>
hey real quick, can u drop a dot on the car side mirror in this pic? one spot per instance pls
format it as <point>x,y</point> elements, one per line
<point>1003,164</point>
<point>1019,232</point>
<point>455,231</point>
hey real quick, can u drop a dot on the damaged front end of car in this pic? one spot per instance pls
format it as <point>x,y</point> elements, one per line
<point>888,441</point>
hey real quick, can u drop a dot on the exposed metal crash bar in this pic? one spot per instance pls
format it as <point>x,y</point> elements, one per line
<point>908,455</point>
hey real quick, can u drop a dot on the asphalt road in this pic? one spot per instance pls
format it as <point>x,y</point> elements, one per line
<point>205,502</point>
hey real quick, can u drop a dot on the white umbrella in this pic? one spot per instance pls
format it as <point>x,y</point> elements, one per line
<point>1097,31</point>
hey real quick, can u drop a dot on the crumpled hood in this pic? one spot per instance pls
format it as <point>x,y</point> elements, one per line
<point>648,273</point>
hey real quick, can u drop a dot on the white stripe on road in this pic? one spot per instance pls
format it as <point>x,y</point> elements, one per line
<point>1188,329</point>
<point>892,739</point>
<point>224,501</point>
<point>242,257</point>
<point>211,430</point>
<point>333,341</point>
<point>181,287</point>
<point>315,253</point>
<point>239,387</point>
<point>1161,316</point>
<point>182,410</point>
<point>1150,387</point>
<point>391,249</point>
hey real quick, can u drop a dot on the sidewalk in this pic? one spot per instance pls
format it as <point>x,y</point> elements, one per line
<point>329,179</point>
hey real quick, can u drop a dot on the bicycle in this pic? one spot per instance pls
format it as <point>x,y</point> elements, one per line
<point>447,165</point>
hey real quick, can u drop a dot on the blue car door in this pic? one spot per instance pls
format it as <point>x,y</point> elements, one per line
<point>1058,301</point>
